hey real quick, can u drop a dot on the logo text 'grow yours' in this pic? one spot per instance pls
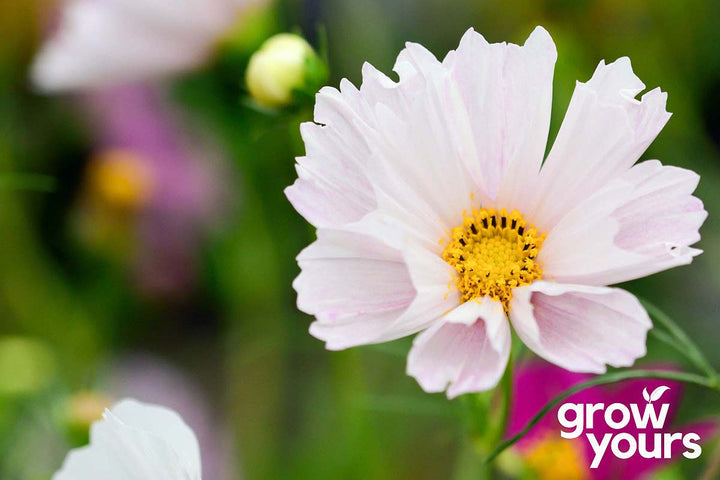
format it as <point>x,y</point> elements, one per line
<point>576,418</point>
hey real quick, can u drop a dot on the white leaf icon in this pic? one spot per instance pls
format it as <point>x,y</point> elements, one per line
<point>645,395</point>
<point>658,392</point>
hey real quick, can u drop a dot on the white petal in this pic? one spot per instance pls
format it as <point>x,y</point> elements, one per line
<point>604,132</point>
<point>136,441</point>
<point>465,352</point>
<point>507,93</point>
<point>331,190</point>
<point>642,223</point>
<point>355,286</point>
<point>580,328</point>
<point>99,44</point>
<point>436,295</point>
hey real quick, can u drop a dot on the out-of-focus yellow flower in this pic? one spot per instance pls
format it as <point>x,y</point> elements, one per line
<point>82,409</point>
<point>284,64</point>
<point>120,180</point>
<point>118,184</point>
<point>555,458</point>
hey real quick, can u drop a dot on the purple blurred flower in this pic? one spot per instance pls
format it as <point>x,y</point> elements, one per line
<point>537,383</point>
<point>187,193</point>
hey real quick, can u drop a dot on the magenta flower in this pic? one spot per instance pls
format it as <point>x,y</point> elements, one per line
<point>549,456</point>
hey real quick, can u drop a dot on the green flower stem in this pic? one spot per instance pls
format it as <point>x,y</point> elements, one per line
<point>667,339</point>
<point>687,346</point>
<point>506,386</point>
<point>487,414</point>
<point>604,380</point>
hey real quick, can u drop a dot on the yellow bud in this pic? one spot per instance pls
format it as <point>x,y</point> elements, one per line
<point>283,64</point>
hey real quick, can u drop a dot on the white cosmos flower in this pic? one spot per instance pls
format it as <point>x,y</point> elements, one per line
<point>135,441</point>
<point>105,42</point>
<point>436,213</point>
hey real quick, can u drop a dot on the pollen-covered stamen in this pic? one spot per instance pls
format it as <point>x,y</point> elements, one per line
<point>493,252</point>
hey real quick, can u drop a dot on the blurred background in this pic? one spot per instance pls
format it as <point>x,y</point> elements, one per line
<point>147,249</point>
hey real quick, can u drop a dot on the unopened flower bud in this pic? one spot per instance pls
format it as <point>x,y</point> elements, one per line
<point>283,66</point>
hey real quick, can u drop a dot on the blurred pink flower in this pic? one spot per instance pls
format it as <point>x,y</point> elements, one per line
<point>436,212</point>
<point>107,42</point>
<point>537,383</point>
<point>188,189</point>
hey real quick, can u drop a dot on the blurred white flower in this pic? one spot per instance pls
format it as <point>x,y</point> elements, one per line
<point>436,212</point>
<point>136,441</point>
<point>106,42</point>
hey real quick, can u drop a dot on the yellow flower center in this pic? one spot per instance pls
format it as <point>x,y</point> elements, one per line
<point>492,253</point>
<point>556,459</point>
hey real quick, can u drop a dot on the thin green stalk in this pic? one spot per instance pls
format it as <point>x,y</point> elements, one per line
<point>692,352</point>
<point>668,339</point>
<point>603,380</point>
<point>507,391</point>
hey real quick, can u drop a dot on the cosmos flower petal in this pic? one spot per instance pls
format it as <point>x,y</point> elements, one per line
<point>466,352</point>
<point>642,223</point>
<point>604,132</point>
<point>135,440</point>
<point>331,190</point>
<point>506,91</point>
<point>355,286</point>
<point>580,328</point>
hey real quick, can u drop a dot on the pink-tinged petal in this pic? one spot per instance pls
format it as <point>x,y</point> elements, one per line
<point>604,132</point>
<point>580,328</point>
<point>506,91</point>
<point>332,188</point>
<point>467,351</point>
<point>328,192</point>
<point>642,223</point>
<point>355,286</point>
<point>661,215</point>
<point>431,278</point>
